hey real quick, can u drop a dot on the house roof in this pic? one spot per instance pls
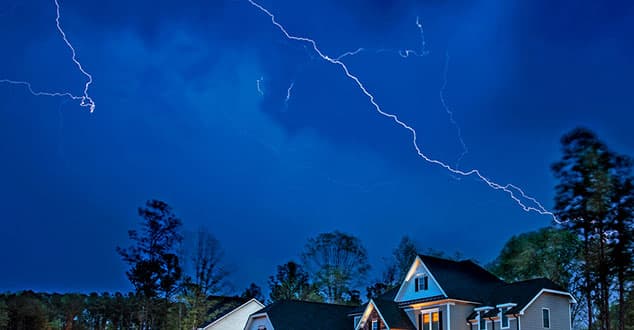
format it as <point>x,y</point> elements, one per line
<point>463,280</point>
<point>221,306</point>
<point>394,316</point>
<point>520,293</point>
<point>299,315</point>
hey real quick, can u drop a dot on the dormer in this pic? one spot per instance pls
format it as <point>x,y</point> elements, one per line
<point>419,283</point>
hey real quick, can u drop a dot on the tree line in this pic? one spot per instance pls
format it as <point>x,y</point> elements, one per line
<point>588,251</point>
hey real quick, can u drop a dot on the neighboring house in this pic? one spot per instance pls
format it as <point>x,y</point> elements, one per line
<point>301,315</point>
<point>230,313</point>
<point>437,294</point>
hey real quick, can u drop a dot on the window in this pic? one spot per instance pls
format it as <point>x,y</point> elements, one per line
<point>482,321</point>
<point>430,320</point>
<point>375,325</point>
<point>546,318</point>
<point>356,321</point>
<point>421,283</point>
<point>261,327</point>
<point>504,319</point>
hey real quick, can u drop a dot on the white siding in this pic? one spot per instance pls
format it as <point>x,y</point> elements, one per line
<point>408,292</point>
<point>260,321</point>
<point>237,319</point>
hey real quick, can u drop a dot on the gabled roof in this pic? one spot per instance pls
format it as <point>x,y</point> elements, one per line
<point>221,306</point>
<point>521,293</point>
<point>394,316</point>
<point>300,315</point>
<point>463,280</point>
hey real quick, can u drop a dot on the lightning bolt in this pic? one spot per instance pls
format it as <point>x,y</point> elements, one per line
<point>288,93</point>
<point>85,99</point>
<point>514,192</point>
<point>404,53</point>
<point>465,150</point>
<point>258,85</point>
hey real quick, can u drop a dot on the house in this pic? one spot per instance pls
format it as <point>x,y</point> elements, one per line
<point>299,315</point>
<point>436,294</point>
<point>230,313</point>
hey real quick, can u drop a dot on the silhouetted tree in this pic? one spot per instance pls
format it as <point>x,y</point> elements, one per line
<point>208,276</point>
<point>593,200</point>
<point>253,291</point>
<point>4,314</point>
<point>404,255</point>
<point>548,252</point>
<point>292,283</point>
<point>337,262</point>
<point>154,264</point>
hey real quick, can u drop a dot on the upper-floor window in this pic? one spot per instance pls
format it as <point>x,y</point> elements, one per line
<point>421,283</point>
<point>375,324</point>
<point>504,319</point>
<point>546,318</point>
<point>261,327</point>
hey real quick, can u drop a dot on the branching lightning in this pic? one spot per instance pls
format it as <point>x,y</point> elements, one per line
<point>465,150</point>
<point>404,53</point>
<point>514,192</point>
<point>85,99</point>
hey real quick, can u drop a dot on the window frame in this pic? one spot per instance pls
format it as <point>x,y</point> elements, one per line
<point>547,310</point>
<point>356,321</point>
<point>502,317</point>
<point>430,312</point>
<point>480,320</point>
<point>421,282</point>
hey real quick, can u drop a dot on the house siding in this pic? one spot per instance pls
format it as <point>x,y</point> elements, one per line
<point>237,319</point>
<point>373,316</point>
<point>262,321</point>
<point>459,314</point>
<point>559,313</point>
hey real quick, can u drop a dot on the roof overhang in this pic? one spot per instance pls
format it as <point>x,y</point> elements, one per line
<point>366,315</point>
<point>254,316</point>
<point>542,291</point>
<point>234,310</point>
<point>412,272</point>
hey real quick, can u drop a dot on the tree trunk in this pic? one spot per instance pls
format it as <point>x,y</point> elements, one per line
<point>621,279</point>
<point>586,271</point>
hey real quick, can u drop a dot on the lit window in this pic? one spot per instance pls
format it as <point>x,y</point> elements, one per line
<point>375,325</point>
<point>546,318</point>
<point>429,320</point>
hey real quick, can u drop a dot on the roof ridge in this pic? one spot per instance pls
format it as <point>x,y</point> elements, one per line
<point>314,302</point>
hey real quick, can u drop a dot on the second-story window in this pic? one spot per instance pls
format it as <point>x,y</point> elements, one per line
<point>421,283</point>
<point>375,324</point>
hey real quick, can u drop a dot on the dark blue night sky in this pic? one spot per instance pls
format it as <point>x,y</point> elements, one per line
<point>179,117</point>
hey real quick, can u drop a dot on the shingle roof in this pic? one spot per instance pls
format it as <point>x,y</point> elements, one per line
<point>519,293</point>
<point>394,316</point>
<point>300,315</point>
<point>463,280</point>
<point>221,306</point>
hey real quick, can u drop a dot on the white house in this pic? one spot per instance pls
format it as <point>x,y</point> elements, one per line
<point>436,294</point>
<point>230,313</point>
